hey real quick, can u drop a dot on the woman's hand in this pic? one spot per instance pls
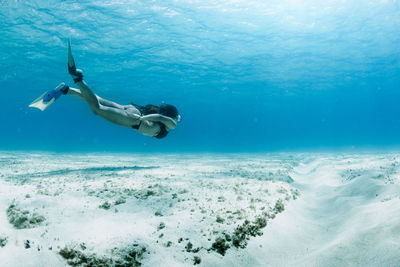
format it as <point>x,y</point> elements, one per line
<point>167,121</point>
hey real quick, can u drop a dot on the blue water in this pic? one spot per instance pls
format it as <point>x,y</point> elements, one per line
<point>245,75</point>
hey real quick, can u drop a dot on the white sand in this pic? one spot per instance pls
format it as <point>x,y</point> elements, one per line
<point>340,210</point>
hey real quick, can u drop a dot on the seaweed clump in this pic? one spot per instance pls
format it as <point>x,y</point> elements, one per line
<point>189,247</point>
<point>243,232</point>
<point>240,236</point>
<point>120,201</point>
<point>220,219</point>
<point>161,226</point>
<point>22,219</point>
<point>128,257</point>
<point>131,256</point>
<point>106,205</point>
<point>220,245</point>
<point>3,241</point>
<point>77,258</point>
<point>196,260</point>
<point>279,206</point>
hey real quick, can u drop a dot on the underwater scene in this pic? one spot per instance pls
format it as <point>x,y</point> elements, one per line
<point>209,133</point>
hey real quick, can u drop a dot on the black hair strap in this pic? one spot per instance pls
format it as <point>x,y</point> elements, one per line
<point>163,131</point>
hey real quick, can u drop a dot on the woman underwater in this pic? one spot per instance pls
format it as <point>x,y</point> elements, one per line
<point>149,120</point>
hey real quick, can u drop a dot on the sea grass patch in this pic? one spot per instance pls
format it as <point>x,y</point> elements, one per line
<point>196,260</point>
<point>220,245</point>
<point>22,219</point>
<point>243,232</point>
<point>130,256</point>
<point>3,241</point>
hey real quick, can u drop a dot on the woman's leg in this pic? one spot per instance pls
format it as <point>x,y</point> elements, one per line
<point>89,96</point>
<point>106,109</point>
<point>77,93</point>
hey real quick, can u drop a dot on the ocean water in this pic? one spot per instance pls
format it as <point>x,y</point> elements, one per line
<point>295,103</point>
<point>245,75</point>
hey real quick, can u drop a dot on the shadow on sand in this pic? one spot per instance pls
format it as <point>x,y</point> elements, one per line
<point>82,171</point>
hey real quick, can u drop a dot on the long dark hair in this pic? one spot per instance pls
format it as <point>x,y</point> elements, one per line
<point>150,109</point>
<point>163,109</point>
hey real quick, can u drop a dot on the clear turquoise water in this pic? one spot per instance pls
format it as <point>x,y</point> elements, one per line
<point>245,75</point>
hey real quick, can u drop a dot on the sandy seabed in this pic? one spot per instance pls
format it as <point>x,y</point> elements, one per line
<point>290,209</point>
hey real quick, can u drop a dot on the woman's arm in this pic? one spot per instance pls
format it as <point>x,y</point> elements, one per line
<point>167,121</point>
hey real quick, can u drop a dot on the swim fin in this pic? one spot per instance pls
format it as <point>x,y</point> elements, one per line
<point>76,74</point>
<point>71,61</point>
<point>48,98</point>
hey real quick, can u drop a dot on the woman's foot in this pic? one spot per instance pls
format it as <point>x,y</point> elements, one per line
<point>64,89</point>
<point>77,75</point>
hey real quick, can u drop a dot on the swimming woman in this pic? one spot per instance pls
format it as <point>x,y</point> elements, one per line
<point>150,120</point>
